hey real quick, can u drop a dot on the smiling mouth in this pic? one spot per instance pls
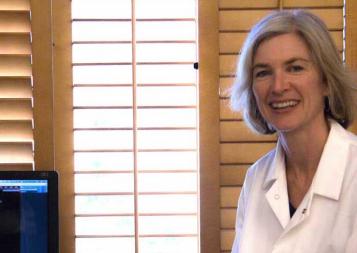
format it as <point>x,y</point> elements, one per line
<point>283,104</point>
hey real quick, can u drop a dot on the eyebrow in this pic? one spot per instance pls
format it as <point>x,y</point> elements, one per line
<point>289,61</point>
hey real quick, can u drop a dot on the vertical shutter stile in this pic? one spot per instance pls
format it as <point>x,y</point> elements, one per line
<point>135,126</point>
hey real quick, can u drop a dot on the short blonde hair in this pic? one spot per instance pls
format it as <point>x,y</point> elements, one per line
<point>340,102</point>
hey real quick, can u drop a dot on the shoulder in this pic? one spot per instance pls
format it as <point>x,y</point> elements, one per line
<point>344,134</point>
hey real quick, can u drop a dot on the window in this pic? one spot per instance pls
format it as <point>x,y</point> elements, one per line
<point>135,125</point>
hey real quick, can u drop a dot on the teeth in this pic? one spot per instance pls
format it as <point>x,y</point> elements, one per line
<point>280,105</point>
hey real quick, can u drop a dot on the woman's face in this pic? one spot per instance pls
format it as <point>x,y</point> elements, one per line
<point>287,85</point>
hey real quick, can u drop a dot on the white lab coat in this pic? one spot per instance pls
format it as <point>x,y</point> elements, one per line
<point>326,219</point>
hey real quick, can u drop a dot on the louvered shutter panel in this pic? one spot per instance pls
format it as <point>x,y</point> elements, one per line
<point>135,129</point>
<point>16,120</point>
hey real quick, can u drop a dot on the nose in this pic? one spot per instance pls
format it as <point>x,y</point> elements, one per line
<point>279,83</point>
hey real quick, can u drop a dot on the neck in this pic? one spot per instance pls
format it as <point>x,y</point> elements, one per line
<point>303,148</point>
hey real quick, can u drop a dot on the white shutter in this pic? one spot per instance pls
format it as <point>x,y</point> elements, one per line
<point>135,125</point>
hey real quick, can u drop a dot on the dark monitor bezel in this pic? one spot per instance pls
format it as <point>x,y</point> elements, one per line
<point>52,178</point>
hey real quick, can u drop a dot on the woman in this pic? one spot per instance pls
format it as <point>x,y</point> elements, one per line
<point>302,196</point>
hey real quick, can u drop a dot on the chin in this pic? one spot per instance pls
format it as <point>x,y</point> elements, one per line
<point>284,128</point>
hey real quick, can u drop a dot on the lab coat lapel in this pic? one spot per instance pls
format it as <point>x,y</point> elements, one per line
<point>275,183</point>
<point>330,172</point>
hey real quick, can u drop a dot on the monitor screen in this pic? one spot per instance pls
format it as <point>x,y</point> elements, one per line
<point>28,212</point>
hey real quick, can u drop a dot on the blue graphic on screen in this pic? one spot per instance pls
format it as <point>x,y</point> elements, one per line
<point>23,216</point>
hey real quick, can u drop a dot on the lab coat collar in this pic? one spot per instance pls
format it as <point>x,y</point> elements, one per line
<point>331,169</point>
<point>277,167</point>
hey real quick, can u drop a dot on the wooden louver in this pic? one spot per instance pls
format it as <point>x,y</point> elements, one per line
<point>16,120</point>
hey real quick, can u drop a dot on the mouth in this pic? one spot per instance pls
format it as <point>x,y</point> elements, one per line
<point>283,104</point>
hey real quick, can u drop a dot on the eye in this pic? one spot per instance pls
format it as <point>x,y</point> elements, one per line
<point>295,68</point>
<point>261,73</point>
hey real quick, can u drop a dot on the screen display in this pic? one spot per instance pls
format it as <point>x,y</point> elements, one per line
<point>24,216</point>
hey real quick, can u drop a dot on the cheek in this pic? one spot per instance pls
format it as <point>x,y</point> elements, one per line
<point>258,93</point>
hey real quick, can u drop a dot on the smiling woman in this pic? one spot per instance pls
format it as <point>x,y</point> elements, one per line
<point>290,80</point>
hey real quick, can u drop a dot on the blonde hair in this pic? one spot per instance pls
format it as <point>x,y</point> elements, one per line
<point>340,102</point>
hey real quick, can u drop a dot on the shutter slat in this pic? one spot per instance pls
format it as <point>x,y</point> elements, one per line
<point>15,5</point>
<point>16,131</point>
<point>228,218</point>
<point>227,64</point>
<point>239,20</point>
<point>225,84</point>
<point>15,66</point>
<point>15,88</point>
<point>15,22</point>
<point>18,44</point>
<point>256,4</point>
<point>226,112</point>
<point>20,109</point>
<point>315,3</point>
<point>243,20</point>
<point>227,238</point>
<point>17,166</point>
<point>232,42</point>
<point>332,17</point>
<point>237,153</point>
<point>238,131</point>
<point>229,196</point>
<point>248,4</point>
<point>233,175</point>
<point>14,153</point>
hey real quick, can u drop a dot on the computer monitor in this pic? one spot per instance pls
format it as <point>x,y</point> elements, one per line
<point>29,212</point>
